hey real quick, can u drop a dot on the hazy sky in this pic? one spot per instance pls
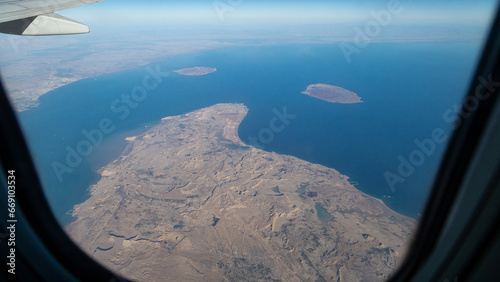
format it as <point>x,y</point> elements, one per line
<point>116,20</point>
<point>226,12</point>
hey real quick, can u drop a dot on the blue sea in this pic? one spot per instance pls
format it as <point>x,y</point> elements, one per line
<point>406,88</point>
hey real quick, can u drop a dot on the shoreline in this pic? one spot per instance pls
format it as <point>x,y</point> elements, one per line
<point>131,139</point>
<point>181,185</point>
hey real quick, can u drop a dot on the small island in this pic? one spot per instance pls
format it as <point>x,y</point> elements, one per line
<point>332,94</point>
<point>196,71</point>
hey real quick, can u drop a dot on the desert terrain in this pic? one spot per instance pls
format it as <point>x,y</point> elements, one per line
<point>189,201</point>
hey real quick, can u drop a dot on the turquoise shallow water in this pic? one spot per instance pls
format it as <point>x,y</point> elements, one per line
<point>405,87</point>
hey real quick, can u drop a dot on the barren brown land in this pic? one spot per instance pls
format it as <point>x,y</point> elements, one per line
<point>195,71</point>
<point>189,201</point>
<point>332,94</point>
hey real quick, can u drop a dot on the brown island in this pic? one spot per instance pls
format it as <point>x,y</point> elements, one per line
<point>196,71</point>
<point>189,201</point>
<point>332,94</point>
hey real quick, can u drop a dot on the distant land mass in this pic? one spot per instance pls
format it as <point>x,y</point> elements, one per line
<point>196,71</point>
<point>189,201</point>
<point>332,94</point>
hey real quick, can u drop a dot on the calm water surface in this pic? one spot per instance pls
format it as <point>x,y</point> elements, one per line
<point>405,87</point>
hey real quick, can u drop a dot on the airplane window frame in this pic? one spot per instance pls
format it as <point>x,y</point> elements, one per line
<point>51,241</point>
<point>44,250</point>
<point>458,161</point>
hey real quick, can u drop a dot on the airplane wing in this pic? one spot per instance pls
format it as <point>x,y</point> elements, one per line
<point>37,17</point>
